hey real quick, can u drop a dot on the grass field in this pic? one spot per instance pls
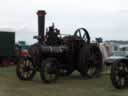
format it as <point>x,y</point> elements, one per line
<point>66,86</point>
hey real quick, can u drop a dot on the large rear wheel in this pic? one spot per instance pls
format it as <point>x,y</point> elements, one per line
<point>90,61</point>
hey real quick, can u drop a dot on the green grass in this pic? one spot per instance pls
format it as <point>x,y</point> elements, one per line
<point>10,85</point>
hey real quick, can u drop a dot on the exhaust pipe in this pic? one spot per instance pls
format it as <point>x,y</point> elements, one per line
<point>41,25</point>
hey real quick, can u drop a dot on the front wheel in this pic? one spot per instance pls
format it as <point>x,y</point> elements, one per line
<point>49,70</point>
<point>118,75</point>
<point>25,69</point>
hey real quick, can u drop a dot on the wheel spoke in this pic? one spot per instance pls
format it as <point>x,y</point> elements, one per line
<point>24,74</point>
<point>28,73</point>
<point>91,69</point>
<point>126,69</point>
<point>84,36</point>
<point>121,81</point>
<point>80,34</point>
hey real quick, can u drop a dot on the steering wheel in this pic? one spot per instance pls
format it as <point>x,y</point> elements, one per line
<point>83,34</point>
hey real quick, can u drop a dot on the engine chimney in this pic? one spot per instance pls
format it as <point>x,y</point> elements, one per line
<point>41,24</point>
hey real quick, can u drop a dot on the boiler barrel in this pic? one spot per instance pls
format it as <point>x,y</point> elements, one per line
<point>54,49</point>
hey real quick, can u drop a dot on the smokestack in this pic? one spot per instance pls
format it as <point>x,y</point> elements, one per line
<point>41,24</point>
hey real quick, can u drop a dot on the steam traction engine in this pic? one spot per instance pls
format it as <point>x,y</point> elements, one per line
<point>55,55</point>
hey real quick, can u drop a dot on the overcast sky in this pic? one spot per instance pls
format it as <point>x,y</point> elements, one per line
<point>102,18</point>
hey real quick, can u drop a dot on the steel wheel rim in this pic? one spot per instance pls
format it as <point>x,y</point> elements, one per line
<point>120,78</point>
<point>91,69</point>
<point>26,68</point>
<point>50,75</point>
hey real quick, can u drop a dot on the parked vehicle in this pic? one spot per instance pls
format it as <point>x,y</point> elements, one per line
<point>7,47</point>
<point>119,69</point>
<point>54,55</point>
